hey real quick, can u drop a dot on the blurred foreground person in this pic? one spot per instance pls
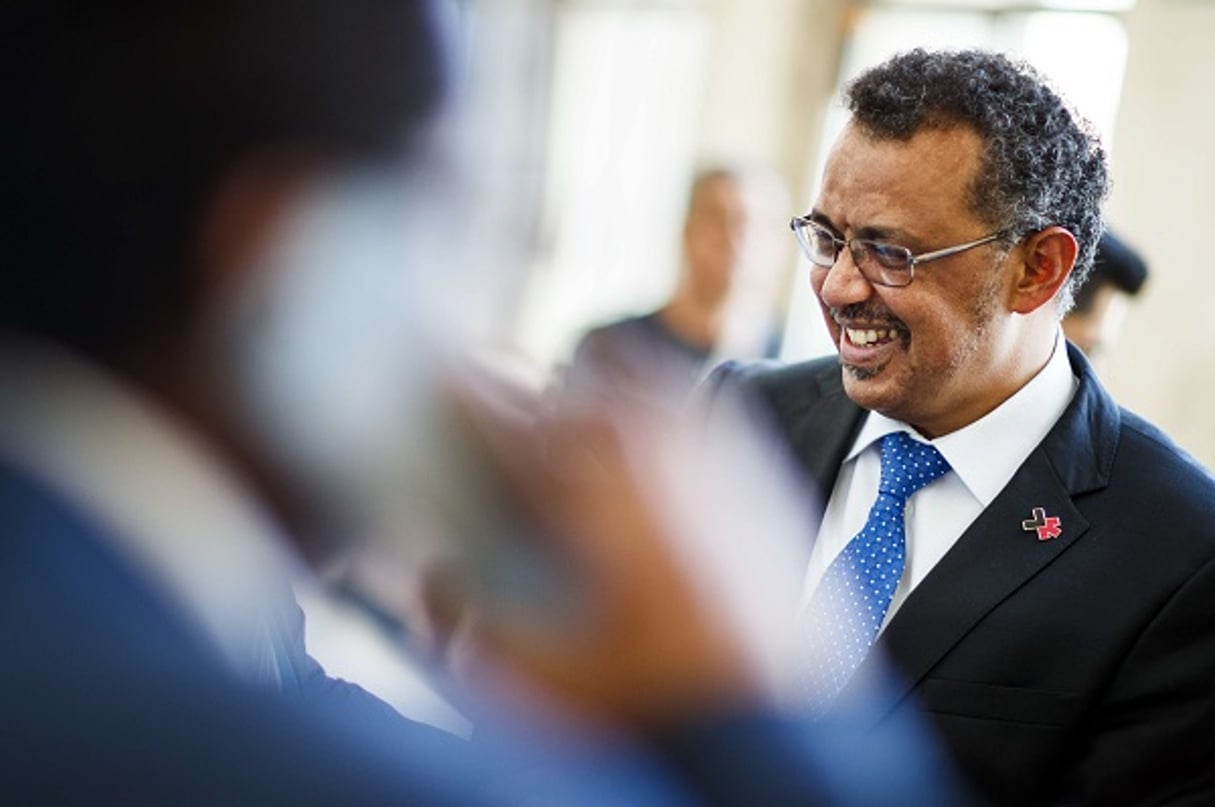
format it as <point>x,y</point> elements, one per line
<point>723,305</point>
<point>1037,563</point>
<point>1119,272</point>
<point>201,192</point>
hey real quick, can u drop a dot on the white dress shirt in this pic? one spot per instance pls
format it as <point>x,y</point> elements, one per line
<point>983,457</point>
<point>169,506</point>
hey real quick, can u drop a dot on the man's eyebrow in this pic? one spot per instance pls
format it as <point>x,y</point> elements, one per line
<point>819,217</point>
<point>872,233</point>
<point>877,233</point>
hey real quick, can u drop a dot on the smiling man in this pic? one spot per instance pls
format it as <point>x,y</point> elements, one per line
<point>1038,563</point>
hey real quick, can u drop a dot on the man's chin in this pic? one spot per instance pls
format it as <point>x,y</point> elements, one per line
<point>868,386</point>
<point>862,373</point>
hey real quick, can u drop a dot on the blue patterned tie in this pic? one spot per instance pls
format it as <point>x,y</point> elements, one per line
<point>850,603</point>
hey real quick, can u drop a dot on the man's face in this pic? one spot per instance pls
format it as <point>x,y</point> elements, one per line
<point>715,235</point>
<point>944,346</point>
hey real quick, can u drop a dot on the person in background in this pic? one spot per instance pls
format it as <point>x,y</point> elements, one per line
<point>1037,563</point>
<point>723,305</point>
<point>1119,272</point>
<point>213,238</point>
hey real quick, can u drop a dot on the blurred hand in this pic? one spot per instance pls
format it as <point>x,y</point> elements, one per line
<point>638,642</point>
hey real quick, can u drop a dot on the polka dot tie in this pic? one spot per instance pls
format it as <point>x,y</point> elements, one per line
<point>848,607</point>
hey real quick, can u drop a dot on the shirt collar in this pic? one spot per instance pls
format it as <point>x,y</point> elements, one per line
<point>985,454</point>
<point>170,506</point>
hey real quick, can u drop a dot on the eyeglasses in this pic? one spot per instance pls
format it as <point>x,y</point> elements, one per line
<point>881,263</point>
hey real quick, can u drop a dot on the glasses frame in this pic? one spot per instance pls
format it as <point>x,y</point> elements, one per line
<point>799,223</point>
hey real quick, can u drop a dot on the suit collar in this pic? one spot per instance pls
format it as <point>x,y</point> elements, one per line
<point>823,425</point>
<point>823,430</point>
<point>1084,442</point>
<point>175,511</point>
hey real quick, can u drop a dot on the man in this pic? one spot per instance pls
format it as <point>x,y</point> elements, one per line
<point>722,305</point>
<point>197,186</point>
<point>1048,592</point>
<point>1119,272</point>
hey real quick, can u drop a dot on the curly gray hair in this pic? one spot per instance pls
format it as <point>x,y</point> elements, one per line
<point>1042,163</point>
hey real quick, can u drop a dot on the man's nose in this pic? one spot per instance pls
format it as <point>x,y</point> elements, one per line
<point>843,284</point>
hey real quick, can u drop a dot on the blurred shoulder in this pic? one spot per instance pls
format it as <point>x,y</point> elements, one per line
<point>612,334</point>
<point>1175,475</point>
<point>778,381</point>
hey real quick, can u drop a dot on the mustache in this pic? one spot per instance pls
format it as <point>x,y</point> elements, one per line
<point>868,313</point>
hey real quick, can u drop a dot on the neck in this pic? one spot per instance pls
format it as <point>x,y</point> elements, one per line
<point>693,321</point>
<point>1029,354</point>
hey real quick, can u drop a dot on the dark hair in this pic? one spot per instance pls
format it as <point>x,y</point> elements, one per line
<point>123,117</point>
<point>1116,265</point>
<point>1042,164</point>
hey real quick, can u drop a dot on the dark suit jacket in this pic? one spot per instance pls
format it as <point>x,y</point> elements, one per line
<point>1075,669</point>
<point>106,697</point>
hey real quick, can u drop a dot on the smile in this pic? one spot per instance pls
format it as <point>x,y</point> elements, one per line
<point>871,336</point>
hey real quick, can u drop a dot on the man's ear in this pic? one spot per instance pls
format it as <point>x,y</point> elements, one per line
<point>244,214</point>
<point>1049,255</point>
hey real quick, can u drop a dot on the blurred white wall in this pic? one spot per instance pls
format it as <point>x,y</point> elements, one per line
<point>625,97</point>
<point>1164,201</point>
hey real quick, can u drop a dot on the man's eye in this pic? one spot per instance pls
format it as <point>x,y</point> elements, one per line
<point>889,255</point>
<point>823,241</point>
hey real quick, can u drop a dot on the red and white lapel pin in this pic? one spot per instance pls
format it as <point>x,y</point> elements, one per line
<point>1047,527</point>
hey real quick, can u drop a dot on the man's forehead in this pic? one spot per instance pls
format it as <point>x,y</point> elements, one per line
<point>933,168</point>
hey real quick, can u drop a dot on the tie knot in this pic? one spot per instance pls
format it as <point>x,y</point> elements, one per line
<point>908,465</point>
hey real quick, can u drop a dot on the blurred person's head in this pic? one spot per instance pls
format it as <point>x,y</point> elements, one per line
<point>974,156</point>
<point>133,115</point>
<point>166,163</point>
<point>714,233</point>
<point>728,207</point>
<point>1118,274</point>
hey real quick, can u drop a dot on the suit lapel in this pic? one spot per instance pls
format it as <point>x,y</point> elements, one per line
<point>820,420</point>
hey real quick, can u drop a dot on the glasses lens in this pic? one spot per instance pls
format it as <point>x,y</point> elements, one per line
<point>817,243</point>
<point>887,264</point>
<point>888,255</point>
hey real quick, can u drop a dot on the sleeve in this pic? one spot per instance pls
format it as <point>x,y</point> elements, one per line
<point>314,689</point>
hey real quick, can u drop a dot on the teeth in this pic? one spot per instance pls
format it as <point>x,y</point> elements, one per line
<point>870,336</point>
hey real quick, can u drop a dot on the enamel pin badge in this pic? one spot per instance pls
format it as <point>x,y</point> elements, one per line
<point>1046,526</point>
